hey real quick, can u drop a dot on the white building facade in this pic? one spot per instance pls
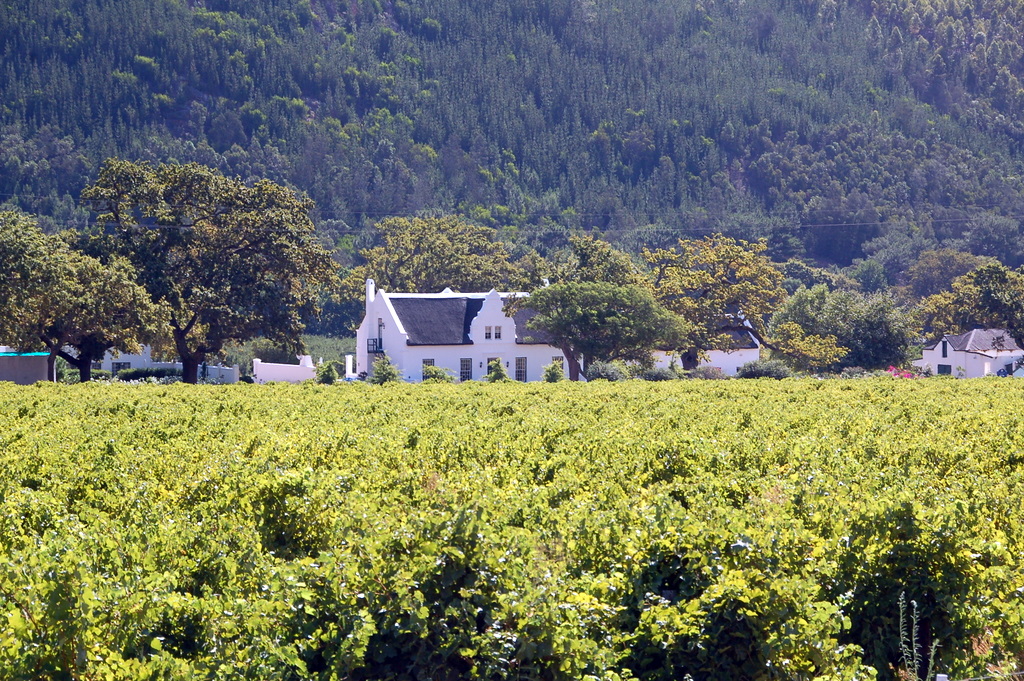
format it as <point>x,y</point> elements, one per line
<point>977,353</point>
<point>460,332</point>
<point>728,361</point>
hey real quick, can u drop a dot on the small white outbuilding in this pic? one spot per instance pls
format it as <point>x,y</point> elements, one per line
<point>973,354</point>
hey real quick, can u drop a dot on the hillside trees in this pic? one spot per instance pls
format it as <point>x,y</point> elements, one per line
<point>828,124</point>
<point>935,271</point>
<point>229,261</point>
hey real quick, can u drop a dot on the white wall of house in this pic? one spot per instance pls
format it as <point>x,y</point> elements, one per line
<point>729,361</point>
<point>962,364</point>
<point>530,358</point>
<point>380,321</point>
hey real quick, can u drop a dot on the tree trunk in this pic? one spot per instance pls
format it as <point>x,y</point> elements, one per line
<point>689,360</point>
<point>190,369</point>
<point>83,363</point>
<point>51,367</point>
<point>190,360</point>
<point>574,363</point>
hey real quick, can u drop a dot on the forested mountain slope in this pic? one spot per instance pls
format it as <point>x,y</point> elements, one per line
<point>833,128</point>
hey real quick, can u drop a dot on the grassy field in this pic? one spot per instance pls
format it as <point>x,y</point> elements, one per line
<point>723,529</point>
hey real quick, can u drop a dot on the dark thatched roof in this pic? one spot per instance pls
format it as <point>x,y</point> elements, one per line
<point>446,321</point>
<point>437,321</point>
<point>524,334</point>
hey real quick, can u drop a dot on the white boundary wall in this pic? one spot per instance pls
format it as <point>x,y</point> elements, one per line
<point>729,361</point>
<point>265,372</point>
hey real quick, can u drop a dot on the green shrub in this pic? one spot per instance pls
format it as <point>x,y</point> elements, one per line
<point>553,373</point>
<point>659,374</point>
<point>384,371</point>
<point>707,373</point>
<point>607,371</point>
<point>496,372</point>
<point>142,373</point>
<point>764,368</point>
<point>327,373</point>
<point>436,374</point>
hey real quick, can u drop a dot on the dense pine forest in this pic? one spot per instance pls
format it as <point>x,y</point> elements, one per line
<point>836,129</point>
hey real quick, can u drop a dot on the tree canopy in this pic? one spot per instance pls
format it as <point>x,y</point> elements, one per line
<point>427,255</point>
<point>822,126</point>
<point>593,321</point>
<point>720,286</point>
<point>74,305</point>
<point>873,329</point>
<point>229,261</point>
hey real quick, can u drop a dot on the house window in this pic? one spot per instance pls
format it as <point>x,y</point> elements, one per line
<point>119,366</point>
<point>497,333</point>
<point>97,366</point>
<point>521,369</point>
<point>426,363</point>
<point>945,349</point>
<point>487,333</point>
<point>487,367</point>
<point>466,369</point>
<point>945,370</point>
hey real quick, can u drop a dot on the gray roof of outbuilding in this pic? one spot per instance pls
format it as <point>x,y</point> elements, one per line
<point>983,340</point>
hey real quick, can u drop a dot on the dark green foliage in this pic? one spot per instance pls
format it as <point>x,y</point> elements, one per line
<point>706,373</point>
<point>142,373</point>
<point>327,373</point>
<point>877,332</point>
<point>436,374</point>
<point>659,374</point>
<point>496,372</point>
<point>384,371</point>
<point>764,368</point>
<point>606,371</point>
<point>553,373</point>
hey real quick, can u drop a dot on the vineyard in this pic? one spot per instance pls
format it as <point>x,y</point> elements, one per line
<point>717,529</point>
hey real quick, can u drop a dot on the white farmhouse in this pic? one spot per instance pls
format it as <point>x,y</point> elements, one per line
<point>461,332</point>
<point>973,354</point>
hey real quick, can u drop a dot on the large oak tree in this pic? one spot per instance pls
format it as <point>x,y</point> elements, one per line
<point>723,288</point>
<point>74,305</point>
<point>230,261</point>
